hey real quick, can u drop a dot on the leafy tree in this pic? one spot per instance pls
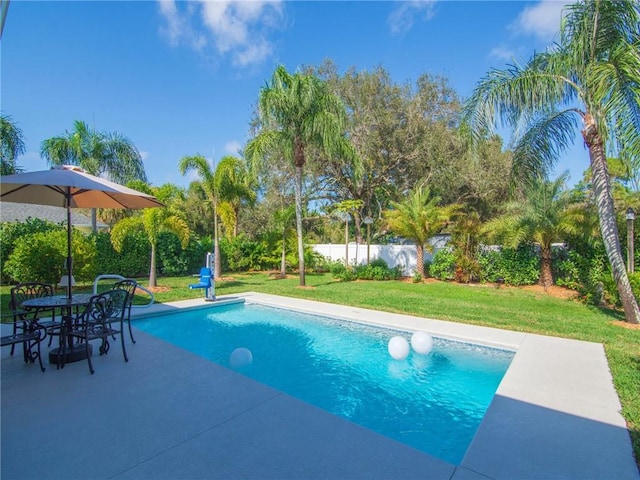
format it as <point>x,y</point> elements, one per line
<point>210,185</point>
<point>284,220</point>
<point>419,218</point>
<point>11,145</point>
<point>298,112</point>
<point>542,216</point>
<point>590,78</point>
<point>235,187</point>
<point>152,221</point>
<point>402,134</point>
<point>96,152</point>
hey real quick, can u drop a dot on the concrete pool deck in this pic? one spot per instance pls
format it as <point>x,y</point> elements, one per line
<point>169,414</point>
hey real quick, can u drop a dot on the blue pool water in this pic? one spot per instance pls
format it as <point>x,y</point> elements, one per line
<point>431,402</point>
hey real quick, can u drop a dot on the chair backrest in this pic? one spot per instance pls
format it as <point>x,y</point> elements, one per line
<point>106,307</point>
<point>128,284</point>
<point>205,276</point>
<point>27,291</point>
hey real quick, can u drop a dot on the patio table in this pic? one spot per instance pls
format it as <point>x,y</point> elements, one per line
<point>74,353</point>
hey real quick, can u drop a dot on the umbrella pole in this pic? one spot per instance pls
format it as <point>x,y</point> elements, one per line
<point>69,266</point>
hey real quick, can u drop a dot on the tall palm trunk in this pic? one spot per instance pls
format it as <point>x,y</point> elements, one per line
<point>283,257</point>
<point>546,274</point>
<point>94,220</point>
<point>217,258</point>
<point>420,259</point>
<point>152,268</point>
<point>298,195</point>
<point>607,217</point>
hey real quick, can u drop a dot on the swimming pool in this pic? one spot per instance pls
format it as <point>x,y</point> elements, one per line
<point>434,403</point>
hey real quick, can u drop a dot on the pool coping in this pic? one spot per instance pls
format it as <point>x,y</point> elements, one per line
<point>556,413</point>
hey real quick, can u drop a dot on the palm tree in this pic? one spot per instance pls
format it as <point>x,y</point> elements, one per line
<point>344,210</point>
<point>235,188</point>
<point>589,81</point>
<point>11,145</point>
<point>543,215</point>
<point>298,112</point>
<point>152,221</point>
<point>283,220</point>
<point>418,218</point>
<point>210,186</point>
<point>98,153</point>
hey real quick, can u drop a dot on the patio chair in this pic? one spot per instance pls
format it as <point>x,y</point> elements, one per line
<point>31,335</point>
<point>101,319</point>
<point>27,291</point>
<point>130,285</point>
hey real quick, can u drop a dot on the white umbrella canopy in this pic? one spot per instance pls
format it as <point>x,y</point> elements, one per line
<point>71,187</point>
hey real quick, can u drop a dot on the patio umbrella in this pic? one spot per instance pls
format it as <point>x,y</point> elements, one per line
<point>71,187</point>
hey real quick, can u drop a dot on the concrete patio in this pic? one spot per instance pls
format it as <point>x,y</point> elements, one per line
<point>168,414</point>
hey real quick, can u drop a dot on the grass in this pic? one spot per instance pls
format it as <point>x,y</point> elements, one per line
<point>507,308</point>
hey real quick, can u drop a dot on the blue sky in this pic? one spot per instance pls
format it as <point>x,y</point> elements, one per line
<point>180,78</point>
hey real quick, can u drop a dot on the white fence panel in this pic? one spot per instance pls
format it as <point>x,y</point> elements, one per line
<point>404,256</point>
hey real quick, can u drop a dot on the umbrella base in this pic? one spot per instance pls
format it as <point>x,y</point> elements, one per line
<point>72,354</point>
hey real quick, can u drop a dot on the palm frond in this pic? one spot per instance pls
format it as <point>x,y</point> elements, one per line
<point>536,152</point>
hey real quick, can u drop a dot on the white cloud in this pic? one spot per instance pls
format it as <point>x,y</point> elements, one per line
<point>541,20</point>
<point>233,147</point>
<point>238,30</point>
<point>502,53</point>
<point>402,18</point>
<point>178,28</point>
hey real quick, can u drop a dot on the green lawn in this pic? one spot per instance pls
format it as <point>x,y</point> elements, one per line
<point>507,308</point>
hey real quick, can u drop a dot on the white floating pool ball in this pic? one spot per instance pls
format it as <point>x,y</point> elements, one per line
<point>422,342</point>
<point>240,357</point>
<point>398,348</point>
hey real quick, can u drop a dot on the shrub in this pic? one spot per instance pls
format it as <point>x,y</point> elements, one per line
<point>443,264</point>
<point>41,257</point>
<point>241,253</point>
<point>132,262</point>
<point>11,232</point>
<point>173,260</point>
<point>341,272</point>
<point>634,279</point>
<point>587,271</point>
<point>520,266</point>
<point>376,270</point>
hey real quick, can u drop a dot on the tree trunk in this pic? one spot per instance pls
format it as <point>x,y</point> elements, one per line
<point>607,217</point>
<point>152,268</point>
<point>420,259</point>
<point>283,259</point>
<point>217,258</point>
<point>298,195</point>
<point>94,220</point>
<point>546,274</point>
<point>346,243</point>
<point>236,213</point>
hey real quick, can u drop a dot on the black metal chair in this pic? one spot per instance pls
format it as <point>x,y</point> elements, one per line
<point>130,286</point>
<point>27,291</point>
<point>101,319</point>
<point>31,335</point>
